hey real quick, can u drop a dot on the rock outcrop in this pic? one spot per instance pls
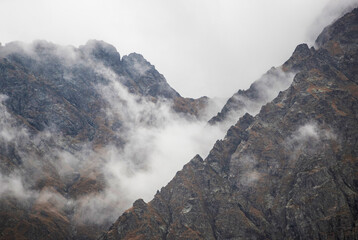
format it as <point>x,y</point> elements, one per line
<point>290,172</point>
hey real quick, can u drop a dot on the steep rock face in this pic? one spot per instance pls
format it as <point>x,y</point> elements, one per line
<point>290,172</point>
<point>72,108</point>
<point>149,81</point>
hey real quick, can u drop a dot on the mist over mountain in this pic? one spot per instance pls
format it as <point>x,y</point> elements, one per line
<point>289,172</point>
<point>85,132</point>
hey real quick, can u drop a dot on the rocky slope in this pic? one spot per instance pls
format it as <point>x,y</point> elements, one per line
<point>290,172</point>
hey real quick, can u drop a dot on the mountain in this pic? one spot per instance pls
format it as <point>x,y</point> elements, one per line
<point>290,172</point>
<point>66,112</point>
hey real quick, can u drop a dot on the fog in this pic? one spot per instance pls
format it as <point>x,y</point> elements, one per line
<point>12,186</point>
<point>262,91</point>
<point>310,138</point>
<point>158,142</point>
<point>310,133</point>
<point>210,48</point>
<point>202,48</point>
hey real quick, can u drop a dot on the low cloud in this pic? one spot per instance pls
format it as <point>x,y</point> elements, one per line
<point>157,143</point>
<point>12,186</point>
<point>309,138</point>
<point>244,170</point>
<point>331,12</point>
<point>262,91</point>
<point>249,175</point>
<point>310,133</point>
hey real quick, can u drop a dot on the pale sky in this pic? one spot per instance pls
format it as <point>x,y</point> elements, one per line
<point>202,47</point>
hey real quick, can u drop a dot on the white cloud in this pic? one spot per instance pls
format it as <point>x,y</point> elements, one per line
<point>12,186</point>
<point>243,169</point>
<point>265,89</point>
<point>309,137</point>
<point>158,142</point>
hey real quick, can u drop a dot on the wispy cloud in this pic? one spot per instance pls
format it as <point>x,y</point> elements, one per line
<point>157,142</point>
<point>262,91</point>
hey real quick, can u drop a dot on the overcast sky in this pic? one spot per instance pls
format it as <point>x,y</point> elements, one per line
<point>203,47</point>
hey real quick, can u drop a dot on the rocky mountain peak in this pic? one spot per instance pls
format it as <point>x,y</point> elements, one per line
<point>301,53</point>
<point>146,77</point>
<point>340,35</point>
<point>102,51</point>
<point>136,57</point>
<point>137,65</point>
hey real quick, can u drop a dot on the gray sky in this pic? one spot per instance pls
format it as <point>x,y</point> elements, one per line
<point>202,47</point>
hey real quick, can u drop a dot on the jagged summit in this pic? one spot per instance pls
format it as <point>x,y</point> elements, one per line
<point>146,77</point>
<point>101,51</point>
